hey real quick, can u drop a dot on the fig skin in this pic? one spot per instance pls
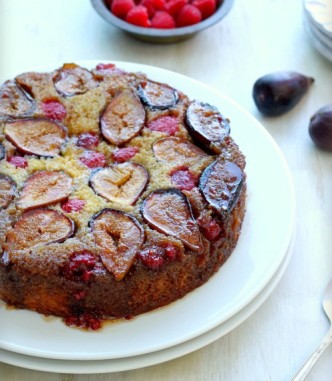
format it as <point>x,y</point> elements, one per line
<point>2,152</point>
<point>277,93</point>
<point>320,127</point>
<point>157,96</point>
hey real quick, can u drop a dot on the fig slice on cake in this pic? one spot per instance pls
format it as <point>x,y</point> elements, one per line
<point>14,101</point>
<point>2,152</point>
<point>157,96</point>
<point>120,237</point>
<point>123,118</point>
<point>221,184</point>
<point>206,125</point>
<point>169,211</point>
<point>122,183</point>
<point>44,188</point>
<point>41,137</point>
<point>7,191</point>
<point>39,227</point>
<point>176,151</point>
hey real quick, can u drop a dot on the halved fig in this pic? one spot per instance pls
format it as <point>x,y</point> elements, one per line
<point>174,151</point>
<point>206,125</point>
<point>122,183</point>
<point>39,227</point>
<point>2,152</point>
<point>7,191</point>
<point>14,101</point>
<point>72,79</point>
<point>120,237</point>
<point>41,137</point>
<point>157,96</point>
<point>169,211</point>
<point>123,118</point>
<point>221,183</point>
<point>44,188</point>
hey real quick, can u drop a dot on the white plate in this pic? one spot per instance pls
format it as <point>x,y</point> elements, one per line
<point>135,362</point>
<point>263,244</point>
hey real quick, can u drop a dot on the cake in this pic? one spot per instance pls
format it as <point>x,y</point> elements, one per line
<point>118,194</point>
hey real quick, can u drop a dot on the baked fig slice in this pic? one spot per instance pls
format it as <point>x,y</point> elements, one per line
<point>44,188</point>
<point>7,191</point>
<point>174,151</point>
<point>123,118</point>
<point>72,79</point>
<point>169,211</point>
<point>122,183</point>
<point>221,183</point>
<point>15,102</point>
<point>120,237</point>
<point>41,137</point>
<point>157,96</point>
<point>39,227</point>
<point>2,152</point>
<point>206,125</point>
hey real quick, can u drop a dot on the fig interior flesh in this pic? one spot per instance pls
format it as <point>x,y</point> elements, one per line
<point>120,237</point>
<point>175,151</point>
<point>276,93</point>
<point>123,118</point>
<point>158,96</point>
<point>39,227</point>
<point>169,212</point>
<point>320,127</point>
<point>44,188</point>
<point>205,123</point>
<point>71,80</point>
<point>15,102</point>
<point>221,183</point>
<point>122,183</point>
<point>41,137</point>
<point>7,191</point>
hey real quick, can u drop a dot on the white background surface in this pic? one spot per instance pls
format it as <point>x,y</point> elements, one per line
<point>257,37</point>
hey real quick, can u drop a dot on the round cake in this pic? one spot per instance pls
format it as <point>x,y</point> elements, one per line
<point>118,194</point>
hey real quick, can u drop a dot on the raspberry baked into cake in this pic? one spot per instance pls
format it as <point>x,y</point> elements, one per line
<point>118,194</point>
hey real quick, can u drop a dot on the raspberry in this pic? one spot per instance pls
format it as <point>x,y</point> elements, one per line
<point>138,15</point>
<point>173,7</point>
<point>152,258</point>
<point>212,230</point>
<point>80,266</point>
<point>84,321</point>
<point>153,5</point>
<point>53,109</point>
<point>124,154</point>
<point>167,124</point>
<point>188,15</point>
<point>88,140</point>
<point>171,252</point>
<point>109,68</point>
<point>183,179</point>
<point>93,159</point>
<point>162,20</point>
<point>73,205</point>
<point>18,161</point>
<point>207,7</point>
<point>120,8</point>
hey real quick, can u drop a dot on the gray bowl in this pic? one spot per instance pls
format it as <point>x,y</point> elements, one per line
<point>161,35</point>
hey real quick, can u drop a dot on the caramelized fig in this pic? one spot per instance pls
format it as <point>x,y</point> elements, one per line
<point>123,118</point>
<point>205,124</point>
<point>170,212</point>
<point>120,237</point>
<point>158,96</point>
<point>2,152</point>
<point>39,227</point>
<point>7,191</point>
<point>177,151</point>
<point>276,93</point>
<point>44,188</point>
<point>72,79</point>
<point>221,183</point>
<point>122,183</point>
<point>320,127</point>
<point>15,102</point>
<point>39,137</point>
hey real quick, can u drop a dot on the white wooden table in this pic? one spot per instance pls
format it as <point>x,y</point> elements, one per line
<point>257,37</point>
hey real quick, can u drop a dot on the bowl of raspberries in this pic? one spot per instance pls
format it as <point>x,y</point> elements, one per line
<point>162,21</point>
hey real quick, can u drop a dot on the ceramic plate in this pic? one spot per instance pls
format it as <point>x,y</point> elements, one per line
<point>266,235</point>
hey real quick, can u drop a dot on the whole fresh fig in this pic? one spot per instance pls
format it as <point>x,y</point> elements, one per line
<point>276,93</point>
<point>320,127</point>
